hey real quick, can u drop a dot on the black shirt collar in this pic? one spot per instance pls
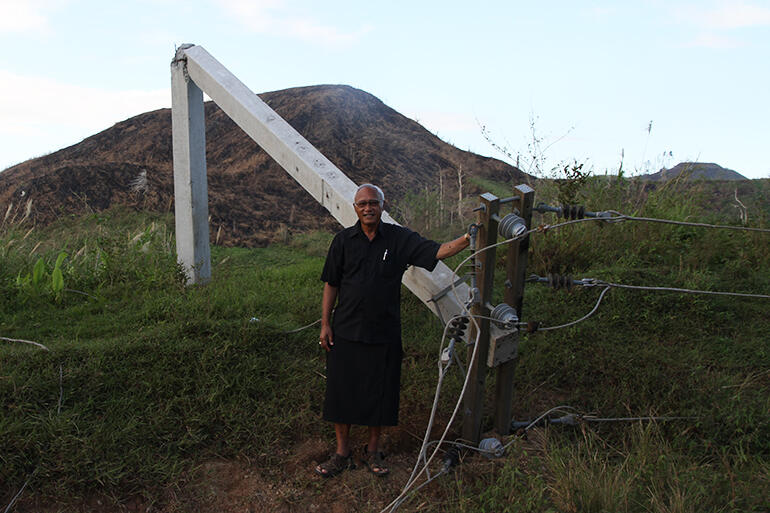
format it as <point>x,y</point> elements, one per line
<point>381,231</point>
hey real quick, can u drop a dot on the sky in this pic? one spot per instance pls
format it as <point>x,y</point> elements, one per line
<point>647,83</point>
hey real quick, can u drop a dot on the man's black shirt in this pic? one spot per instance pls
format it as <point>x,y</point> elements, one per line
<point>368,275</point>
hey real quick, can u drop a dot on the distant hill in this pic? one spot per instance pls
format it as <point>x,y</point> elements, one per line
<point>250,196</point>
<point>695,171</point>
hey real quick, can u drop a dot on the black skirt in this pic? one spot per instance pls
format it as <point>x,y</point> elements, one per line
<point>362,383</point>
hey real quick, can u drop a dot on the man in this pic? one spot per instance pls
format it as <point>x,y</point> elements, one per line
<point>363,270</point>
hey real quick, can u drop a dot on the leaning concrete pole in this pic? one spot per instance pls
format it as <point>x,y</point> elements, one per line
<point>314,172</point>
<point>191,203</point>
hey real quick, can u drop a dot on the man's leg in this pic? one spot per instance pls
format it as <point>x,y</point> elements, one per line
<point>342,459</point>
<point>373,457</point>
<point>342,431</point>
<point>374,439</point>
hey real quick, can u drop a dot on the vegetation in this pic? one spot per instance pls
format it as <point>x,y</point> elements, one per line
<point>145,379</point>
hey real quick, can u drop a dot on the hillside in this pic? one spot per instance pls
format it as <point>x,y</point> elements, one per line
<point>250,196</point>
<point>695,171</point>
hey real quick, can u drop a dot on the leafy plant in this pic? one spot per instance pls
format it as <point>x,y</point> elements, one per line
<point>38,281</point>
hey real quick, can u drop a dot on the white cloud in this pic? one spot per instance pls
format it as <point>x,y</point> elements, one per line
<point>23,16</point>
<point>271,17</point>
<point>712,40</point>
<point>737,14</point>
<point>30,104</point>
<point>727,15</point>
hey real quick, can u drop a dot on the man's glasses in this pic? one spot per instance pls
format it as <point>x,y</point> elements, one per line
<point>367,203</point>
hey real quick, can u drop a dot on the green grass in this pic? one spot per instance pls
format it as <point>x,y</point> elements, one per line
<point>157,377</point>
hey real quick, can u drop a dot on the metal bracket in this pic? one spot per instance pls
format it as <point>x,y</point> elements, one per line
<point>443,292</point>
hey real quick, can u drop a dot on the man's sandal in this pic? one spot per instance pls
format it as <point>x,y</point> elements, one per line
<point>335,465</point>
<point>375,462</point>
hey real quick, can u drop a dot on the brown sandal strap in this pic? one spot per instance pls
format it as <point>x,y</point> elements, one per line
<point>334,465</point>
<point>375,460</point>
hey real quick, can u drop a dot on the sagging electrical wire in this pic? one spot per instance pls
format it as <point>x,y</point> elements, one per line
<point>18,494</point>
<point>574,418</point>
<point>403,499</point>
<point>567,282</point>
<point>533,327</point>
<point>613,216</point>
<point>31,342</point>
<point>620,217</point>
<point>687,291</point>
<point>302,328</point>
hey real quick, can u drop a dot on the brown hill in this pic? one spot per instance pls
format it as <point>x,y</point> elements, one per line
<point>695,171</point>
<point>250,196</point>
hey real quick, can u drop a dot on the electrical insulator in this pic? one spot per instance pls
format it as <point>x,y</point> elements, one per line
<point>511,226</point>
<point>491,448</point>
<point>505,316</point>
<point>573,212</point>
<point>457,328</point>
<point>558,281</point>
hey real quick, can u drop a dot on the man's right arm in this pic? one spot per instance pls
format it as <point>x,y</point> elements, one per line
<point>327,304</point>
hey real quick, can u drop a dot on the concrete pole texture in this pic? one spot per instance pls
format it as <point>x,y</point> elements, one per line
<point>190,185</point>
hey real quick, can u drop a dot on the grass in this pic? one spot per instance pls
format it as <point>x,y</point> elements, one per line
<point>157,378</point>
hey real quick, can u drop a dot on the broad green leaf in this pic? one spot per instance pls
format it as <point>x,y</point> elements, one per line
<point>38,271</point>
<point>57,281</point>
<point>60,260</point>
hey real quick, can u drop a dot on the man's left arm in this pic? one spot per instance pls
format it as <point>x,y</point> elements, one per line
<point>453,247</point>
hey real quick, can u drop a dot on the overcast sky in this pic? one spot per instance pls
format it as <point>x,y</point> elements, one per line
<point>656,82</point>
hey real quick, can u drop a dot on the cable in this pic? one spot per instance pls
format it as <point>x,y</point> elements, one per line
<point>302,328</point>
<point>632,419</point>
<point>623,217</point>
<point>572,419</point>
<point>586,316</point>
<point>578,211</point>
<point>591,282</point>
<point>41,346</point>
<point>689,291</point>
<point>407,496</point>
<point>412,478</point>
<point>15,497</point>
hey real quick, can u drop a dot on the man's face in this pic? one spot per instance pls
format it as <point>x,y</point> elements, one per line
<point>368,207</point>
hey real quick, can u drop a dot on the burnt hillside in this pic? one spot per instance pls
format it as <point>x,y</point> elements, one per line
<point>250,196</point>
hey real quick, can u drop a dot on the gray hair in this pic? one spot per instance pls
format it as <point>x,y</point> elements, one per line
<point>380,194</point>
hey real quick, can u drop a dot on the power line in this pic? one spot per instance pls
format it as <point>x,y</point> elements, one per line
<point>687,291</point>
<point>620,217</point>
<point>586,316</point>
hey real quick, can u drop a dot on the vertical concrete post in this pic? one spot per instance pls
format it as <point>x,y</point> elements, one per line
<point>190,186</point>
<point>474,395</point>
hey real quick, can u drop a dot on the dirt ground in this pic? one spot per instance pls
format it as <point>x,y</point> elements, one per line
<point>242,486</point>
